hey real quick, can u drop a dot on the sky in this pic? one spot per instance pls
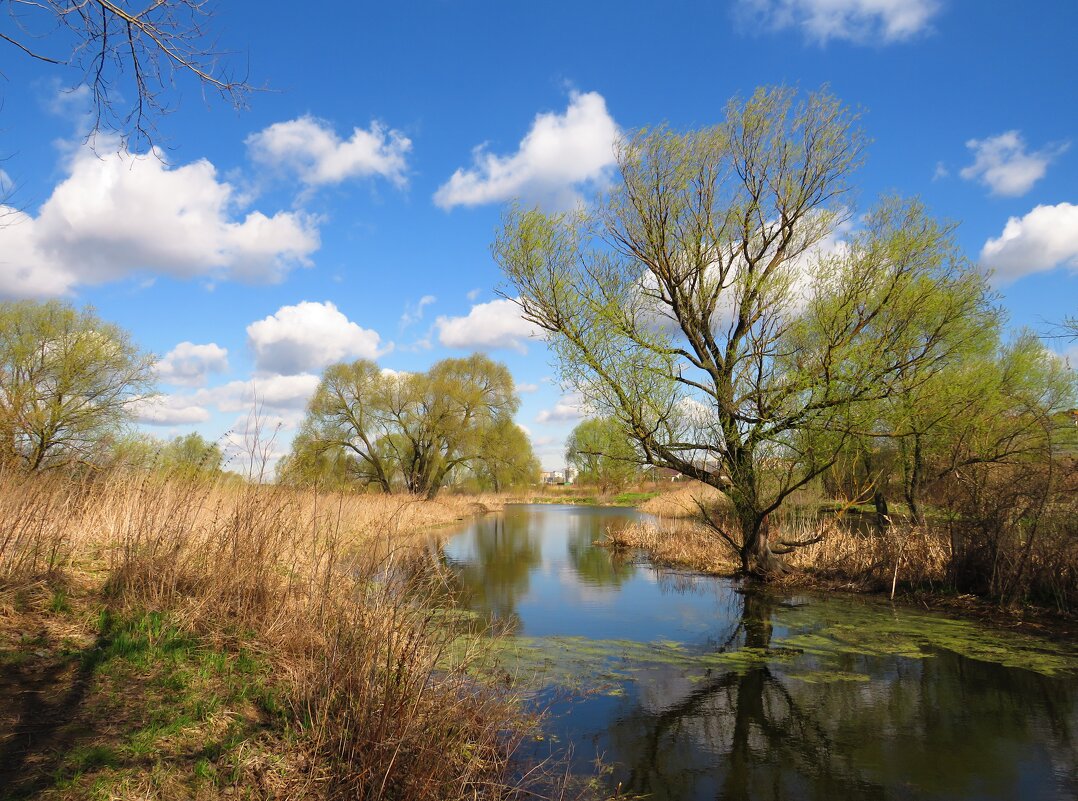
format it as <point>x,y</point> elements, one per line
<point>348,211</point>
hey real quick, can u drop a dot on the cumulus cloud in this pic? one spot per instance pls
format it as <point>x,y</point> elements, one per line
<point>1045,238</point>
<point>859,21</point>
<point>561,154</point>
<point>309,336</point>
<point>568,408</point>
<point>311,149</point>
<point>189,364</point>
<point>1002,164</point>
<point>496,324</point>
<point>169,410</point>
<point>277,393</point>
<point>274,399</point>
<point>119,214</point>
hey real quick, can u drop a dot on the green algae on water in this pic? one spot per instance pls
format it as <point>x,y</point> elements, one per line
<point>836,628</point>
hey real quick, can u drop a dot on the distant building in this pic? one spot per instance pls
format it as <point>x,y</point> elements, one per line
<point>553,477</point>
<point>560,477</point>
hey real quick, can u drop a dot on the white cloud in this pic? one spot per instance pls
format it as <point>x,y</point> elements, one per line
<point>527,387</point>
<point>568,408</point>
<point>860,21</point>
<point>414,313</point>
<point>279,393</point>
<point>474,293</point>
<point>311,148</point>
<point>496,324</point>
<point>1002,164</point>
<point>189,364</point>
<point>941,172</point>
<point>309,336</point>
<point>1045,238</point>
<point>561,154</point>
<point>170,410</point>
<point>118,214</point>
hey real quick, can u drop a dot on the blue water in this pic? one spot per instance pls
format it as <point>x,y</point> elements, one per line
<point>833,702</point>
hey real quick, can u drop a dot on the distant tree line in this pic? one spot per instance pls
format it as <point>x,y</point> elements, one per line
<point>412,432</point>
<point>70,382</point>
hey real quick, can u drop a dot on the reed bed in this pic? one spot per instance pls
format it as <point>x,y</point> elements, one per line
<point>1005,535</point>
<point>332,591</point>
<point>676,542</point>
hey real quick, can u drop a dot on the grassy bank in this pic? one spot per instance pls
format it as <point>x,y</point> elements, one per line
<point>591,496</point>
<point>912,562</point>
<point>168,639</point>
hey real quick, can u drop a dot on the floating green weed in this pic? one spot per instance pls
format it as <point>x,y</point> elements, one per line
<point>812,643</point>
<point>830,629</point>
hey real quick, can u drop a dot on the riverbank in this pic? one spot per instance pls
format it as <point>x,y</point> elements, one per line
<point>162,639</point>
<point>588,496</point>
<point>907,564</point>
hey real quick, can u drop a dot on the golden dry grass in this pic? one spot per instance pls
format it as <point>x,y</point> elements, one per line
<point>676,542</point>
<point>333,591</point>
<point>681,503</point>
<point>857,559</point>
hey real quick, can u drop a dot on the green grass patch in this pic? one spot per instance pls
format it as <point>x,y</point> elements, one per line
<point>633,498</point>
<point>187,708</point>
<point>59,603</point>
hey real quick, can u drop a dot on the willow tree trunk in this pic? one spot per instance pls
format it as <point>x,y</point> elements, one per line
<point>883,515</point>
<point>915,480</point>
<point>757,558</point>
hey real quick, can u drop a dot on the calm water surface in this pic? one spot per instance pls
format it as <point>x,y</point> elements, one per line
<point>693,690</point>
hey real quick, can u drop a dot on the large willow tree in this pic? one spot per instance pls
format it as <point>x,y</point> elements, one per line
<point>716,302</point>
<point>409,430</point>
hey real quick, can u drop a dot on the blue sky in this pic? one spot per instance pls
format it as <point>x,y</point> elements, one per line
<point>349,210</point>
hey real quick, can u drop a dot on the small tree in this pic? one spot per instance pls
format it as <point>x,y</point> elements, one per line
<point>192,456</point>
<point>603,454</point>
<point>310,463</point>
<point>67,383</point>
<point>704,303</point>
<point>505,458</point>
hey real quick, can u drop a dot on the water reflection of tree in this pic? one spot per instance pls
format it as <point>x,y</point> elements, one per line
<point>496,574</point>
<point>942,727</point>
<point>748,719</point>
<point>595,566</point>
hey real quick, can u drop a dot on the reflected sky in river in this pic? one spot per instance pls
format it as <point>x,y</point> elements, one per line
<point>693,690</point>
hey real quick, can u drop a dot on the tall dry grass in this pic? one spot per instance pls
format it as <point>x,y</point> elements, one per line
<point>1006,533</point>
<point>332,590</point>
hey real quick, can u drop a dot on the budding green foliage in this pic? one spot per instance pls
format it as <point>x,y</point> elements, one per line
<point>412,431</point>
<point>719,303</point>
<point>67,383</point>
<point>602,453</point>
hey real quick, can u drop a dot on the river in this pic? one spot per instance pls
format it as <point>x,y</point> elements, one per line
<point>688,687</point>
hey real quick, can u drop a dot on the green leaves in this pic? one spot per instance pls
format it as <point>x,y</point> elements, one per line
<point>67,382</point>
<point>713,302</point>
<point>600,449</point>
<point>408,430</point>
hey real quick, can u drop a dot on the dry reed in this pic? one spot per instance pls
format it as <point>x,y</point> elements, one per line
<point>333,591</point>
<point>844,555</point>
